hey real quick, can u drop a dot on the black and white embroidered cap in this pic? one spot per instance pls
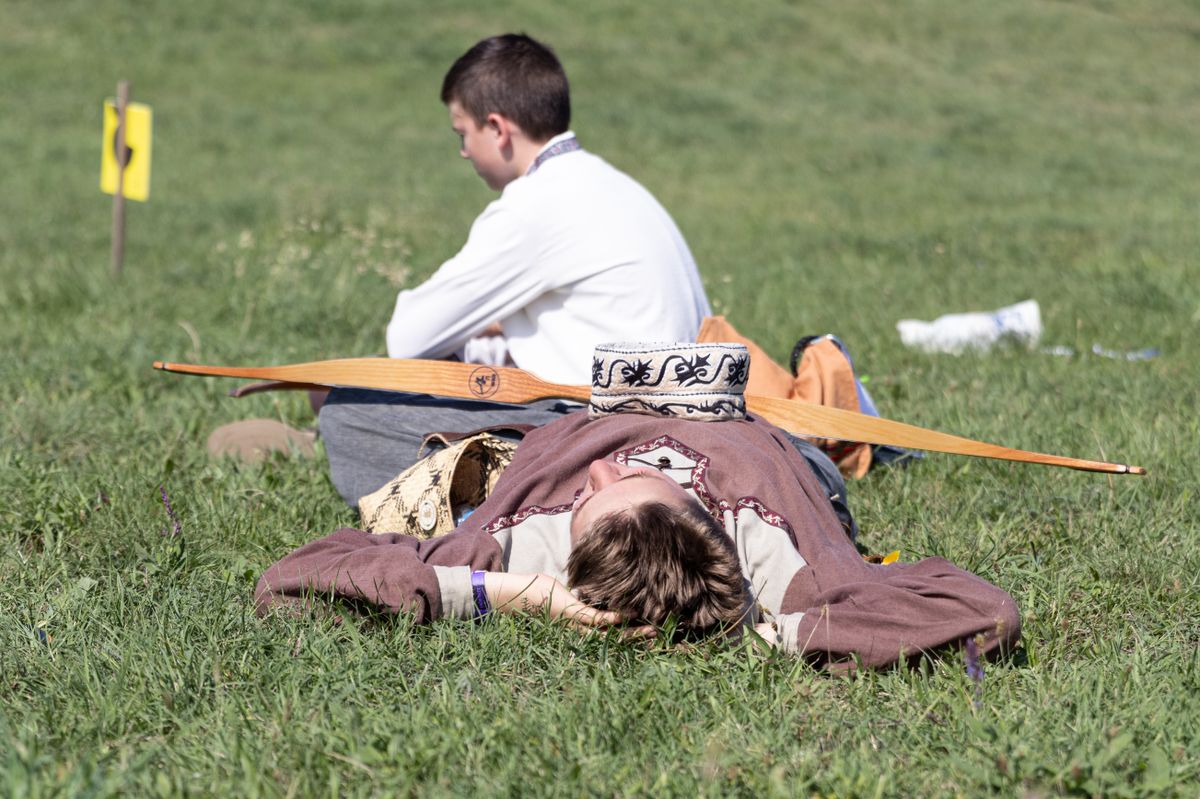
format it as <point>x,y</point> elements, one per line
<point>703,382</point>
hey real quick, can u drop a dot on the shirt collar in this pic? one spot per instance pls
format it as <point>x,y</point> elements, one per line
<point>562,143</point>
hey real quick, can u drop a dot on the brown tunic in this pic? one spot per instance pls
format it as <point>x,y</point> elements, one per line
<point>806,575</point>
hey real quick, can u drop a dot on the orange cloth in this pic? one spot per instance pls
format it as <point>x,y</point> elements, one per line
<point>823,377</point>
<point>767,378</point>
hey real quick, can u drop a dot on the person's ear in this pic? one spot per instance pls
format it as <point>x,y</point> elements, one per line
<point>500,128</point>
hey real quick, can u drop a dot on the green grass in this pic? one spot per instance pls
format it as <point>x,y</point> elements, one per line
<point>834,166</point>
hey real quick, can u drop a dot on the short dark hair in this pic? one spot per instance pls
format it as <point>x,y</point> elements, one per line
<point>515,76</point>
<point>660,564</point>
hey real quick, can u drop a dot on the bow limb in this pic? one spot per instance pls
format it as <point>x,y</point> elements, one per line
<point>440,378</point>
<point>822,421</point>
<point>515,386</point>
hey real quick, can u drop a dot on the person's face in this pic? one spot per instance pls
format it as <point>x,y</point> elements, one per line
<point>613,487</point>
<point>481,145</point>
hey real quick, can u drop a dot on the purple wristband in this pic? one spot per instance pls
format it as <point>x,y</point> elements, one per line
<point>479,592</point>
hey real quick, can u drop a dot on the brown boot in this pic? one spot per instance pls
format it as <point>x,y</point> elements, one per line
<point>252,440</point>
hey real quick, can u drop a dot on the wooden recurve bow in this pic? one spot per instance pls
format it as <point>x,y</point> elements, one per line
<point>516,386</point>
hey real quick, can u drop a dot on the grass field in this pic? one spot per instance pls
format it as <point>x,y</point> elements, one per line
<point>835,167</point>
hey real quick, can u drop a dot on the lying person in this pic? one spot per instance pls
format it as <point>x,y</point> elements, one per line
<point>685,513</point>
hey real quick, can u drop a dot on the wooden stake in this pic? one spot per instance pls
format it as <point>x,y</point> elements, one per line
<point>118,215</point>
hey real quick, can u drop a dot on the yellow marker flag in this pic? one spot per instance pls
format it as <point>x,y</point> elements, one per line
<point>138,125</point>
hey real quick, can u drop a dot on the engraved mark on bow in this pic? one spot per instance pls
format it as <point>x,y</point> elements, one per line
<point>484,382</point>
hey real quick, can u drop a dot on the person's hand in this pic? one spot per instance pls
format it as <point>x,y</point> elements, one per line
<point>768,633</point>
<point>510,593</point>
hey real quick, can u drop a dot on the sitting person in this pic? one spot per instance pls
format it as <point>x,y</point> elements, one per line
<point>684,513</point>
<point>572,254</point>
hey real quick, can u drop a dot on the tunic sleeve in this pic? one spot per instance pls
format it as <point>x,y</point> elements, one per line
<point>387,573</point>
<point>896,612</point>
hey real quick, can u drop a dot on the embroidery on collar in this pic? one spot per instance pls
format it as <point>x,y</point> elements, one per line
<point>558,148</point>
<point>698,468</point>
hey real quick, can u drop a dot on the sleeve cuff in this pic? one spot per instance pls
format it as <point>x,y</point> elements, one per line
<point>789,630</point>
<point>455,584</point>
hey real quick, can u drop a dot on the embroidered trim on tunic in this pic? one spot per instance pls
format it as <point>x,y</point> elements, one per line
<point>698,471</point>
<point>755,506</point>
<point>715,507</point>
<point>512,520</point>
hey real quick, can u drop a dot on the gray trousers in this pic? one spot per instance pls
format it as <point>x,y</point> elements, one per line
<point>372,436</point>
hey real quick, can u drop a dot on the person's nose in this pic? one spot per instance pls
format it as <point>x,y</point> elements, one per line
<point>603,473</point>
